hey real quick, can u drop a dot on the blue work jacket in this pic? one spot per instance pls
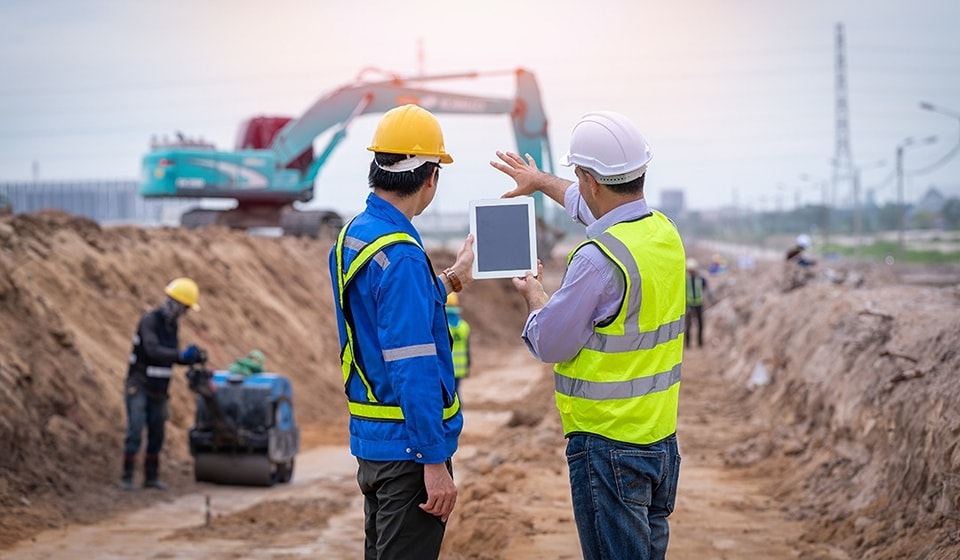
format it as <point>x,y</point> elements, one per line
<point>401,344</point>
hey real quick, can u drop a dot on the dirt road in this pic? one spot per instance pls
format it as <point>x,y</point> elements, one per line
<point>720,513</point>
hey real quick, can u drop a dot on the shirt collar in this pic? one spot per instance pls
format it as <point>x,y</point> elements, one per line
<point>387,212</point>
<point>622,213</point>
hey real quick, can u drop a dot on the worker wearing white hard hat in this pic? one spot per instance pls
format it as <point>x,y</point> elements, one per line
<point>632,265</point>
<point>797,253</point>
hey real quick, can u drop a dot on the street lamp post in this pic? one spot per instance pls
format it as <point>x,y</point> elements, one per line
<point>937,109</point>
<point>947,113</point>
<point>901,210</point>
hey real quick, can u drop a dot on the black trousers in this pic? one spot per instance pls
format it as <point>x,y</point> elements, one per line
<point>395,528</point>
<point>694,312</point>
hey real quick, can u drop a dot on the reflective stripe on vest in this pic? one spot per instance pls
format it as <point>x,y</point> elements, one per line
<point>624,384</point>
<point>460,334</point>
<point>158,371</point>
<point>373,410</point>
<point>694,289</point>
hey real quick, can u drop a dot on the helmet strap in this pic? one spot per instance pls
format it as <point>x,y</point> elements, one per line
<point>411,163</point>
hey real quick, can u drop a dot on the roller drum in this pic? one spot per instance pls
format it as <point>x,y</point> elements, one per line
<point>247,470</point>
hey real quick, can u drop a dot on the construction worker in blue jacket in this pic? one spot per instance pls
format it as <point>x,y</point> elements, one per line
<point>396,356</point>
<point>155,351</point>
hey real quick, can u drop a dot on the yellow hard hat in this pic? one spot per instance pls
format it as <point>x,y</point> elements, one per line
<point>453,300</point>
<point>410,129</point>
<point>185,291</point>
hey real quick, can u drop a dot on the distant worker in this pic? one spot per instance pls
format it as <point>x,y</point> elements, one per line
<point>250,364</point>
<point>797,255</point>
<point>155,351</point>
<point>718,265</point>
<point>696,291</point>
<point>798,267</point>
<point>615,331</point>
<point>460,332</point>
<point>396,356</point>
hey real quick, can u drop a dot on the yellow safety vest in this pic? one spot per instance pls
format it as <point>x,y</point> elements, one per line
<point>460,335</point>
<point>624,384</point>
<point>694,289</point>
<point>371,409</point>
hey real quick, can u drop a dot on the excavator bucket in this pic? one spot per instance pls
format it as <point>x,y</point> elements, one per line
<point>244,430</point>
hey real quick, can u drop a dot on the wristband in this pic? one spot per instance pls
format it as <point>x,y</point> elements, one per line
<point>454,279</point>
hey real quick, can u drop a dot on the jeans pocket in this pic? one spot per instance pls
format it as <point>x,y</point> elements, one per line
<point>673,480</point>
<point>636,472</point>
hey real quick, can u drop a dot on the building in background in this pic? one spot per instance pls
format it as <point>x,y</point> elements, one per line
<point>672,203</point>
<point>106,202</point>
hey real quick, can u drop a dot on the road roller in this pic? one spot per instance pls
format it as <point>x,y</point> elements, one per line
<point>244,430</point>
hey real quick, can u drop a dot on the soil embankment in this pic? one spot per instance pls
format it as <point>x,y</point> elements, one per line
<point>845,448</point>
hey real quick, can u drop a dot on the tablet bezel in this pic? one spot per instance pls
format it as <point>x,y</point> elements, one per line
<point>532,222</point>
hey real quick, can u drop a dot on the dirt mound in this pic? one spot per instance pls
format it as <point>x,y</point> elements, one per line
<point>851,386</point>
<point>71,293</point>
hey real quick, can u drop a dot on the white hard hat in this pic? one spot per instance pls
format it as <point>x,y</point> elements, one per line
<point>803,240</point>
<point>609,144</point>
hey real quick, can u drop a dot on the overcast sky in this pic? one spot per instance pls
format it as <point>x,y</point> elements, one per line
<point>736,97</point>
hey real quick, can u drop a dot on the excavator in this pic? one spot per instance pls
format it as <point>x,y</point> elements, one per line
<point>274,163</point>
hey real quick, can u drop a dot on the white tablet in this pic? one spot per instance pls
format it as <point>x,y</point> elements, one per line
<point>504,237</point>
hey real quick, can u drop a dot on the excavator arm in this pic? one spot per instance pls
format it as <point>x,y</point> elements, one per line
<point>339,107</point>
<point>267,179</point>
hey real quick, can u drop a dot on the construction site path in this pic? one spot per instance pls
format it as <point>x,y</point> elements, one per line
<point>720,514</point>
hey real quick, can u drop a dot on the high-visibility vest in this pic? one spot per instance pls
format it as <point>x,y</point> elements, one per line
<point>461,359</point>
<point>695,289</point>
<point>370,409</point>
<point>624,384</point>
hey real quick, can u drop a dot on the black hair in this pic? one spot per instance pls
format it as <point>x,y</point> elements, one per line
<point>630,187</point>
<point>404,183</point>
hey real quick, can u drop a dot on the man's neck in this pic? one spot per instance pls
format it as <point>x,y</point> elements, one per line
<point>409,206</point>
<point>611,201</point>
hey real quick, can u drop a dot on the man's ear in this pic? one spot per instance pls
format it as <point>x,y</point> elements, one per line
<point>593,185</point>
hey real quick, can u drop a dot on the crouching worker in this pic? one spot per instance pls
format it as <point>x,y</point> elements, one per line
<point>248,365</point>
<point>155,351</point>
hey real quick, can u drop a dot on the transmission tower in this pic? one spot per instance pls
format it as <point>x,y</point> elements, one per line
<point>844,173</point>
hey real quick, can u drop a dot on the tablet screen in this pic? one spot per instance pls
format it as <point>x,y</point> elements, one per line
<point>504,233</point>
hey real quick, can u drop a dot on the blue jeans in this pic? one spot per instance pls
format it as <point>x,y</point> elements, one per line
<point>622,495</point>
<point>144,412</point>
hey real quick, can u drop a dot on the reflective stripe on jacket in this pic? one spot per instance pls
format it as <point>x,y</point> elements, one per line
<point>154,353</point>
<point>396,357</point>
<point>624,383</point>
<point>461,349</point>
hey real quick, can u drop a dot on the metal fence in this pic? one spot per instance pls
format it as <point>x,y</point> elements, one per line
<point>103,201</point>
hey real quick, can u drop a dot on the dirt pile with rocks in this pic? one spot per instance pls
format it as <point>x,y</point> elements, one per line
<point>851,386</point>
